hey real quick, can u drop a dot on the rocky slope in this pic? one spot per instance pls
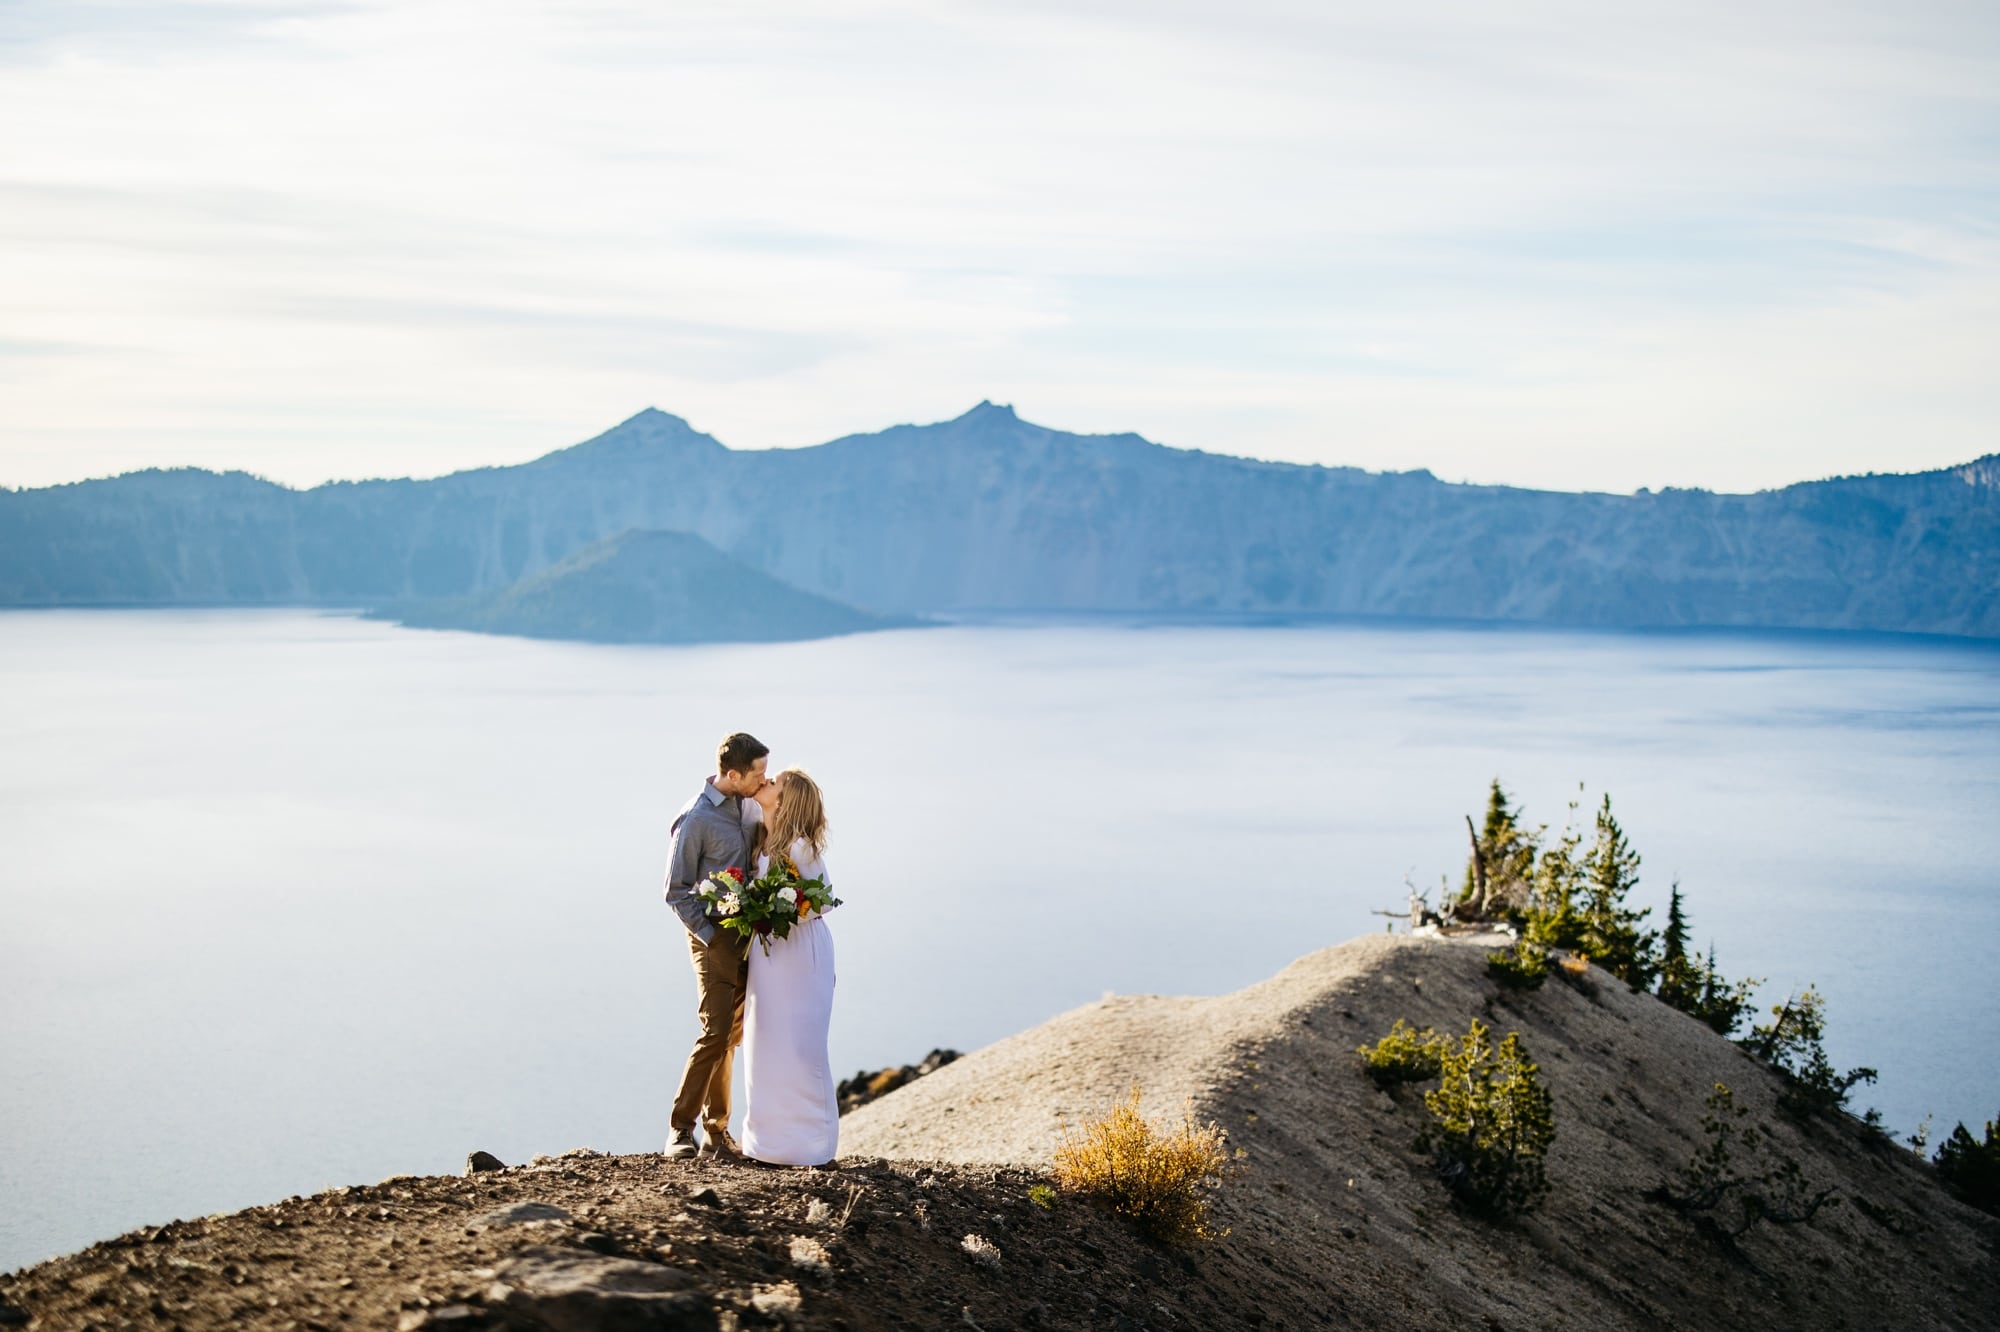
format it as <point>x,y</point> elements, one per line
<point>1335,1220</point>
<point>1336,1208</point>
<point>990,512</point>
<point>589,1243</point>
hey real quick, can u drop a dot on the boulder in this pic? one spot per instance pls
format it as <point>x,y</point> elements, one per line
<point>518,1214</point>
<point>568,1290</point>
<point>865,1086</point>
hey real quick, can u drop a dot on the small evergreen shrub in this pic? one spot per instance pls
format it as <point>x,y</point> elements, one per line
<point>1970,1168</point>
<point>1680,980</point>
<point>1042,1196</point>
<point>1792,1045</point>
<point>1552,919</point>
<point>1569,897</point>
<point>1160,1180</point>
<point>1737,1180</point>
<point>1695,986</point>
<point>1611,934</point>
<point>1500,871</point>
<point>1723,1004</point>
<point>1492,1123</point>
<point>1576,901</point>
<point>1522,967</point>
<point>1569,900</point>
<point>1406,1054</point>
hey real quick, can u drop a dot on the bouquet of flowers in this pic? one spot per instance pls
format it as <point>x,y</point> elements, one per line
<point>766,906</point>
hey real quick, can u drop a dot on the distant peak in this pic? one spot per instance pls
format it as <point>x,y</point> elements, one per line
<point>988,410</point>
<point>653,416</point>
<point>643,436</point>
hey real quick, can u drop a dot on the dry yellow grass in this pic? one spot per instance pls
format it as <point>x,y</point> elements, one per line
<point>1159,1179</point>
<point>1574,965</point>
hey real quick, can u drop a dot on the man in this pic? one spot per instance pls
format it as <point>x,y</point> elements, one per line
<point>709,835</point>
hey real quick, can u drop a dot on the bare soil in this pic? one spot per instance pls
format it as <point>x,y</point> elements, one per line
<point>1335,1210</point>
<point>868,1245</point>
<point>1335,1219</point>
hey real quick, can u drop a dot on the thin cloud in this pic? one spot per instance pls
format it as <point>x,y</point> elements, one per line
<point>1545,244</point>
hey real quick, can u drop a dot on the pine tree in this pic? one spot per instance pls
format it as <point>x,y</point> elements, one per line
<point>1492,1121</point>
<point>1792,1044</point>
<point>1553,918</point>
<point>1970,1167</point>
<point>1612,936</point>
<point>1681,981</point>
<point>1498,871</point>
<point>1720,1004</point>
<point>1711,989</point>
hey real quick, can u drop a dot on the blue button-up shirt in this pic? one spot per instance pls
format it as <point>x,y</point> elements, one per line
<point>709,835</point>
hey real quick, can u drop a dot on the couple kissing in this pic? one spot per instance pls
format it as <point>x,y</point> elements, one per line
<point>749,836</point>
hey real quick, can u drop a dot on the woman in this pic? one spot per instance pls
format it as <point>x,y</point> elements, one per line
<point>793,1116</point>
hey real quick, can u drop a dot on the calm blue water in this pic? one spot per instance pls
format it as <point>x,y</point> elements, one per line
<point>291,900</point>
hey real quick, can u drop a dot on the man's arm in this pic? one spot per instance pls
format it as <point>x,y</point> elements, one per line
<point>683,864</point>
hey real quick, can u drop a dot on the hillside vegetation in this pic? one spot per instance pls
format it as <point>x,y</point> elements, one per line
<point>1337,1207</point>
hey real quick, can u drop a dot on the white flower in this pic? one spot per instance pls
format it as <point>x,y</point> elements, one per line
<point>790,895</point>
<point>730,904</point>
<point>983,1250</point>
<point>810,1254</point>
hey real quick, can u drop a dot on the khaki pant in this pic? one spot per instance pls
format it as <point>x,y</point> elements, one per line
<point>721,970</point>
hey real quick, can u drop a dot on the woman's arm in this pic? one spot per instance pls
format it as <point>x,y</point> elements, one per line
<point>810,866</point>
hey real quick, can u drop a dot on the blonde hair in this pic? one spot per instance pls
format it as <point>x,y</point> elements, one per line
<point>801,813</point>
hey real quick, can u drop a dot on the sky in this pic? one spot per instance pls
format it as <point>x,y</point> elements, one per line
<point>1557,243</point>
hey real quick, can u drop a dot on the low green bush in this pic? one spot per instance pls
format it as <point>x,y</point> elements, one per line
<point>1406,1054</point>
<point>1739,1178</point>
<point>1694,984</point>
<point>1492,1122</point>
<point>1970,1168</point>
<point>1792,1045</point>
<point>1522,967</point>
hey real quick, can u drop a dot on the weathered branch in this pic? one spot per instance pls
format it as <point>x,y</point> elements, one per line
<point>1701,1205</point>
<point>1756,1209</point>
<point>1770,1041</point>
<point>1482,884</point>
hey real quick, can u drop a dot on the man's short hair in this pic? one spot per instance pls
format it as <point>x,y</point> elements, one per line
<point>737,752</point>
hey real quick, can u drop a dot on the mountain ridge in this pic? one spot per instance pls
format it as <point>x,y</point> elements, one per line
<point>990,512</point>
<point>655,422</point>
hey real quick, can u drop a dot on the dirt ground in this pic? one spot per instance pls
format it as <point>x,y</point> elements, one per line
<point>1340,1213</point>
<point>1335,1219</point>
<point>642,1242</point>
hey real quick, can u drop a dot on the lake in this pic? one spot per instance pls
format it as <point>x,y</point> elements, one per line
<point>291,900</point>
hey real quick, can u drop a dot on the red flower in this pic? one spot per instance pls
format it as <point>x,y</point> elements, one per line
<point>735,872</point>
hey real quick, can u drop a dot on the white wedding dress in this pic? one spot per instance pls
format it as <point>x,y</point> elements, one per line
<point>792,1116</point>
